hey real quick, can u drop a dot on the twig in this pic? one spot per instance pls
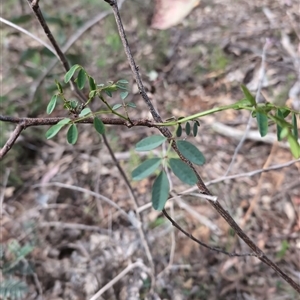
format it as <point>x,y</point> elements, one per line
<point>203,244</point>
<point>90,23</point>
<point>134,201</point>
<point>202,187</point>
<point>24,123</point>
<point>34,4</point>
<point>86,191</point>
<point>10,142</point>
<point>253,202</point>
<point>29,34</point>
<point>249,123</point>
<point>137,264</point>
<point>62,225</point>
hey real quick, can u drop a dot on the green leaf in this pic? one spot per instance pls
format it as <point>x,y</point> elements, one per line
<point>116,106</point>
<point>150,142</point>
<point>92,94</point>
<point>160,191</point>
<point>92,83</point>
<point>52,104</point>
<point>99,125</point>
<point>13,289</point>
<point>188,128</point>
<point>295,147</point>
<point>295,127</point>
<point>123,95</point>
<point>121,87</point>
<point>183,171</point>
<point>284,247</point>
<point>279,115</point>
<point>53,130</point>
<point>70,73</point>
<point>262,122</point>
<point>190,152</point>
<point>248,95</point>
<point>179,131</point>
<point>108,93</point>
<point>146,168</point>
<point>284,133</point>
<point>59,87</point>
<point>81,79</point>
<point>72,134</point>
<point>285,111</point>
<point>85,111</point>
<point>195,129</point>
<point>131,104</point>
<point>122,81</point>
<point>64,121</point>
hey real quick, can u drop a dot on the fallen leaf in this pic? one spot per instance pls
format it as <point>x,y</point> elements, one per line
<point>168,13</point>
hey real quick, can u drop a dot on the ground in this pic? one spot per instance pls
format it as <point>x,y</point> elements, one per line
<point>68,225</point>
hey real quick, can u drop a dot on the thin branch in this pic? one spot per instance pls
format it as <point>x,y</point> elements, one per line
<point>137,264</point>
<point>73,38</point>
<point>29,34</point>
<point>202,187</point>
<point>86,191</point>
<point>134,201</point>
<point>201,243</point>
<point>10,142</point>
<point>34,4</point>
<point>250,120</point>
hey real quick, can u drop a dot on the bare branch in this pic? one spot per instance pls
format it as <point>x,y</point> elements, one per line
<point>201,243</point>
<point>10,142</point>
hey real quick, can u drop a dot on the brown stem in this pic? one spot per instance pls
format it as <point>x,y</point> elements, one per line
<point>34,4</point>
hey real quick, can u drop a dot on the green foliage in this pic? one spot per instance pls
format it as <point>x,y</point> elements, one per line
<point>191,152</point>
<point>284,247</point>
<point>13,289</point>
<point>262,122</point>
<point>183,171</point>
<point>160,191</point>
<point>13,257</point>
<point>82,111</point>
<point>53,130</point>
<point>150,143</point>
<point>51,104</point>
<point>145,169</point>
<point>72,134</point>
<point>99,126</point>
